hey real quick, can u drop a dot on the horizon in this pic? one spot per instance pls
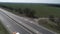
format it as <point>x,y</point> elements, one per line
<point>32,1</point>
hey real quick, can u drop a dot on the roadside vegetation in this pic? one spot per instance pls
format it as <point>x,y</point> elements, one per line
<point>41,10</point>
<point>51,23</point>
<point>2,29</point>
<point>37,11</point>
<point>28,12</point>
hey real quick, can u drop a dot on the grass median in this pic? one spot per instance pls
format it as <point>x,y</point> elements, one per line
<point>3,29</point>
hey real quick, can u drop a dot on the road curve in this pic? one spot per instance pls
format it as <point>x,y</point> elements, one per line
<point>12,25</point>
<point>17,18</point>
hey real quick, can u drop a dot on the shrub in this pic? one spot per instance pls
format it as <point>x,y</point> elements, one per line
<point>52,18</point>
<point>42,21</point>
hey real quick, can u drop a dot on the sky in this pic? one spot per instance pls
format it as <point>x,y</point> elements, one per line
<point>32,1</point>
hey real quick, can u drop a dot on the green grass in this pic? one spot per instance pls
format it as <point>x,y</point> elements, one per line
<point>49,24</point>
<point>2,29</point>
<point>52,27</point>
<point>41,10</point>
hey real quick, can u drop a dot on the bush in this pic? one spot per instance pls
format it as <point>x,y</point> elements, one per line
<point>28,12</point>
<point>52,18</point>
<point>58,22</point>
<point>20,11</point>
<point>42,21</point>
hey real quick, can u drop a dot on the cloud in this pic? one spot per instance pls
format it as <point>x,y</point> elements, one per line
<point>32,1</point>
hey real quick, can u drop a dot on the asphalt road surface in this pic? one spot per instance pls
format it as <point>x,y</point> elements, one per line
<point>13,26</point>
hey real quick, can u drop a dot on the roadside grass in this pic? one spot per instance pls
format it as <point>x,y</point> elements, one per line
<point>49,24</point>
<point>41,10</point>
<point>2,29</point>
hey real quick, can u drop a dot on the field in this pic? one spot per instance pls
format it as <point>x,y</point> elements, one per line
<point>41,10</point>
<point>49,24</point>
<point>2,29</point>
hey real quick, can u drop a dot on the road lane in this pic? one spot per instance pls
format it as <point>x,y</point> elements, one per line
<point>27,26</point>
<point>34,26</point>
<point>42,30</point>
<point>10,24</point>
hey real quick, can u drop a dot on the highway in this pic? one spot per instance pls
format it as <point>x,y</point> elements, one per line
<point>12,25</point>
<point>22,25</point>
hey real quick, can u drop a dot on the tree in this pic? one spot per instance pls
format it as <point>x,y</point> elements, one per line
<point>27,11</point>
<point>32,13</point>
<point>51,17</point>
<point>20,11</point>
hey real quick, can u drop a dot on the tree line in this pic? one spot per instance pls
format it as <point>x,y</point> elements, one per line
<point>27,11</point>
<point>31,13</point>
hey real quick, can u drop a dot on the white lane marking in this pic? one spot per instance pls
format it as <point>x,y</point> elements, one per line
<point>23,27</point>
<point>20,22</point>
<point>8,26</point>
<point>38,32</point>
<point>26,19</point>
<point>31,21</point>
